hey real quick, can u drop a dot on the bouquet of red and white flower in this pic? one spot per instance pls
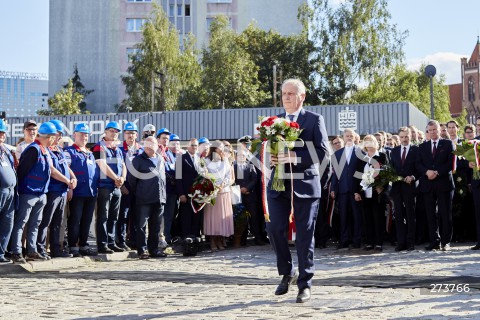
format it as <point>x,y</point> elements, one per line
<point>203,191</point>
<point>281,135</point>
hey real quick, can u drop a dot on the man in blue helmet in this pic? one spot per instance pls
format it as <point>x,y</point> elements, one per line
<point>126,223</point>
<point>34,172</point>
<point>83,198</point>
<point>171,206</point>
<point>8,182</point>
<point>56,200</point>
<point>113,173</point>
<point>163,138</point>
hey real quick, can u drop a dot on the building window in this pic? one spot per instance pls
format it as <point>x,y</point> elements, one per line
<point>135,25</point>
<point>131,52</point>
<point>210,20</point>
<point>179,10</point>
<point>187,10</point>
<point>171,10</point>
<point>471,89</point>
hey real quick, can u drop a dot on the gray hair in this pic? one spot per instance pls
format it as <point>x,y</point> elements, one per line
<point>297,83</point>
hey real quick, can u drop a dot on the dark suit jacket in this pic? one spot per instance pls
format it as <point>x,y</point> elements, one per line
<point>361,163</point>
<point>342,176</point>
<point>314,134</point>
<point>153,189</point>
<point>187,173</point>
<point>408,168</point>
<point>442,163</point>
<point>246,176</point>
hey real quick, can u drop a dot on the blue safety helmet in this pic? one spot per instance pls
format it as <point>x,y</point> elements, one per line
<point>59,125</point>
<point>113,125</point>
<point>130,126</point>
<point>174,137</point>
<point>82,127</point>
<point>163,130</point>
<point>3,126</point>
<point>47,128</point>
<point>203,140</point>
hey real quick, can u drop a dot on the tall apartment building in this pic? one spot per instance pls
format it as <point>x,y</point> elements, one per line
<point>99,35</point>
<point>22,94</point>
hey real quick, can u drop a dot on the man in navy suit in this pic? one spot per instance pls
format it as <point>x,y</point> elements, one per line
<point>305,162</point>
<point>403,158</point>
<point>187,171</point>
<point>342,189</point>
<point>434,166</point>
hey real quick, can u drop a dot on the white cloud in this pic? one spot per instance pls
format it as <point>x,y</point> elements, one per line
<point>447,63</point>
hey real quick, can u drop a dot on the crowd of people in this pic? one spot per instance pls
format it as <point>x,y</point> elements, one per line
<point>139,191</point>
<point>434,199</point>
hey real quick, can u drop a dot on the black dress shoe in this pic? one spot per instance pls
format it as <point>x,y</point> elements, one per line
<point>410,248</point>
<point>285,284</point>
<point>400,248</point>
<point>432,246</point>
<point>476,247</point>
<point>106,250</point>
<point>303,295</point>
<point>115,248</point>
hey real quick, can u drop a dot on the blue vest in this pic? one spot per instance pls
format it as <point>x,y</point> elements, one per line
<point>128,157</point>
<point>38,178</point>
<point>85,169</point>
<point>60,163</point>
<point>114,160</point>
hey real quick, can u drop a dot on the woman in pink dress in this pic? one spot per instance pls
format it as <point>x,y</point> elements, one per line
<point>218,219</point>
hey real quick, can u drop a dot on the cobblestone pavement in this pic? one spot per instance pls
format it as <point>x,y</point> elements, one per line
<point>239,284</point>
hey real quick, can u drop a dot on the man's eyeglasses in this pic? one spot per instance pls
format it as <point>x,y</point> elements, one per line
<point>31,129</point>
<point>194,145</point>
<point>335,143</point>
<point>468,131</point>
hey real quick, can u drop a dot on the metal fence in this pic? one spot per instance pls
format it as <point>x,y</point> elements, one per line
<point>234,123</point>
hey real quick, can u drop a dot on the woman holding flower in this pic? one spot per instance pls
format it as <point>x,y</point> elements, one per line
<point>218,218</point>
<point>371,196</point>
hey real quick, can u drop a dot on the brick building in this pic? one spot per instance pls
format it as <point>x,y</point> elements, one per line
<point>467,93</point>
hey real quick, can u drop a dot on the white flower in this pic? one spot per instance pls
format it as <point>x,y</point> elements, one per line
<point>460,191</point>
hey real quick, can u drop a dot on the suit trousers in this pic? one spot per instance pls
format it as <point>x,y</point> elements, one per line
<point>404,210</point>
<point>306,210</point>
<point>443,218</point>
<point>350,217</point>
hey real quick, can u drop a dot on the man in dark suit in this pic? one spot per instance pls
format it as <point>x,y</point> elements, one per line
<point>246,178</point>
<point>306,192</point>
<point>342,189</point>
<point>187,171</point>
<point>434,166</point>
<point>403,158</point>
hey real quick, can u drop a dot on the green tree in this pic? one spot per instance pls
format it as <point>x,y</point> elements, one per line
<point>80,88</point>
<point>230,77</point>
<point>400,84</point>
<point>64,102</point>
<point>160,60</point>
<point>291,54</point>
<point>355,42</point>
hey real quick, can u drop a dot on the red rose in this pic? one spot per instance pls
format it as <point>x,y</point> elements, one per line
<point>294,125</point>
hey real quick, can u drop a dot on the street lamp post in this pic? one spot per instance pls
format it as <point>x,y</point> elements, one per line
<point>430,72</point>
